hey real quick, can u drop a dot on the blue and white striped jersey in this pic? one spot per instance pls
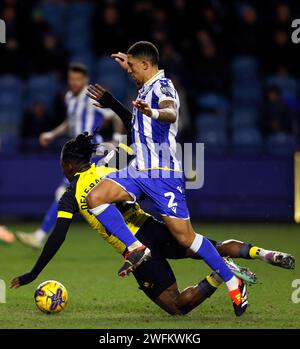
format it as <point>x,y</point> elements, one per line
<point>82,114</point>
<point>155,141</point>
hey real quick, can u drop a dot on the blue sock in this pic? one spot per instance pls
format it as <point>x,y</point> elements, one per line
<point>212,258</point>
<point>113,222</point>
<point>50,218</point>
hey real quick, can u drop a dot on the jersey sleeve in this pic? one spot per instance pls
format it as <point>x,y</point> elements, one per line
<point>165,91</point>
<point>67,205</point>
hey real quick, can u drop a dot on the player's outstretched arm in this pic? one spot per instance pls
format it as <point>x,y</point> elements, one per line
<point>52,245</point>
<point>103,99</point>
<point>47,137</point>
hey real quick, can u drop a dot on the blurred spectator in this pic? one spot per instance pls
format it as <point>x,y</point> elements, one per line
<point>246,32</point>
<point>276,116</point>
<point>108,34</point>
<point>209,67</point>
<point>11,53</point>
<point>35,121</point>
<point>50,58</point>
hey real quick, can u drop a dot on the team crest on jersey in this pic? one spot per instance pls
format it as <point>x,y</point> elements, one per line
<point>166,89</point>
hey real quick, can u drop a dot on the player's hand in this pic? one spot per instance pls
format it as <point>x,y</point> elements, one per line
<point>143,107</point>
<point>15,283</point>
<point>46,138</point>
<point>22,280</point>
<point>96,92</point>
<point>121,58</point>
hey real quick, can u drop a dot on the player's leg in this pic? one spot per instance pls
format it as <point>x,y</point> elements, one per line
<point>238,249</point>
<point>184,233</point>
<point>157,280</point>
<point>167,195</point>
<point>100,202</point>
<point>36,239</point>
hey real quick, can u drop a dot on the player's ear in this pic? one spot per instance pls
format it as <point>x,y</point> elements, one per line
<point>145,65</point>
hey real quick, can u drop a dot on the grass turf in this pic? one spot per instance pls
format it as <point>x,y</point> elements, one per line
<point>87,266</point>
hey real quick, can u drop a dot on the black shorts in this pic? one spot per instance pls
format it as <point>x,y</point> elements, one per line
<point>156,275</point>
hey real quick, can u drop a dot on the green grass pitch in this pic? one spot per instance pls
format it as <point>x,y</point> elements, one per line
<point>87,266</point>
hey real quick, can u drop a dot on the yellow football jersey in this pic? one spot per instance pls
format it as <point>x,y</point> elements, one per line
<point>74,200</point>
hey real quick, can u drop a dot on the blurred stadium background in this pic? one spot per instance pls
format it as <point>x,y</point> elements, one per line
<point>234,65</point>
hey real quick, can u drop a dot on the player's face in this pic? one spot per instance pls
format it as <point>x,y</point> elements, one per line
<point>67,169</point>
<point>76,81</point>
<point>136,69</point>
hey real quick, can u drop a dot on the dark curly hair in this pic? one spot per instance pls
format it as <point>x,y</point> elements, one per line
<point>80,149</point>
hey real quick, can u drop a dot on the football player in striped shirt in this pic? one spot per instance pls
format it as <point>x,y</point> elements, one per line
<point>155,171</point>
<point>81,116</point>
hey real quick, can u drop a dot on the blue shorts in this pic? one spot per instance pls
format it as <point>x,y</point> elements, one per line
<point>167,194</point>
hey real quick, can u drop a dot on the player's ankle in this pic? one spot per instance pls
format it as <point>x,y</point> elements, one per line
<point>232,284</point>
<point>40,235</point>
<point>134,245</point>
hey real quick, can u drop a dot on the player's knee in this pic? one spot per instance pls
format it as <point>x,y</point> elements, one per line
<point>185,240</point>
<point>94,199</point>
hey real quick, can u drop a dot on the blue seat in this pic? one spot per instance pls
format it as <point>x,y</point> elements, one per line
<point>11,84</point>
<point>78,44</point>
<point>281,144</point>
<point>106,65</point>
<point>247,140</point>
<point>213,101</point>
<point>208,122</point>
<point>43,88</point>
<point>55,15</point>
<point>287,84</point>
<point>245,68</point>
<point>80,10</point>
<point>83,58</point>
<point>243,118</point>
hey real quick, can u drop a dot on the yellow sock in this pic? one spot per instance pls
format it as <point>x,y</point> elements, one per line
<point>214,280</point>
<point>254,252</point>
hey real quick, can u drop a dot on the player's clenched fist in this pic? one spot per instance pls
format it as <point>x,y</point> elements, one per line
<point>143,107</point>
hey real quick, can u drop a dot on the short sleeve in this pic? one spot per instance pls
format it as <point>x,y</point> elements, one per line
<point>165,90</point>
<point>67,205</point>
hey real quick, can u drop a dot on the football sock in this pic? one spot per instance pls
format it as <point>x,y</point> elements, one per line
<point>210,284</point>
<point>258,253</point>
<point>40,235</point>
<point>205,249</point>
<point>214,280</point>
<point>110,217</point>
<point>48,222</point>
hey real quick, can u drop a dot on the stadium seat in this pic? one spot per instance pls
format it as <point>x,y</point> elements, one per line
<point>281,144</point>
<point>213,102</point>
<point>55,15</point>
<point>84,58</point>
<point>247,93</point>
<point>287,84</point>
<point>243,118</point>
<point>247,140</point>
<point>207,122</point>
<point>245,68</point>
<point>11,84</point>
<point>42,88</point>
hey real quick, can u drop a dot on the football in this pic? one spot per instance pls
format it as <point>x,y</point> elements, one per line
<point>51,297</point>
